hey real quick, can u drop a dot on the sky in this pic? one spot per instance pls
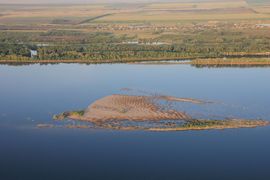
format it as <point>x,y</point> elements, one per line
<point>56,1</point>
<point>85,1</point>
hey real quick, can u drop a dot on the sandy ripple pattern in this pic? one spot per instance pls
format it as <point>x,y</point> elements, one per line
<point>135,108</point>
<point>147,112</point>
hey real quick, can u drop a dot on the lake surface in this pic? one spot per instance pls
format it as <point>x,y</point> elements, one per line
<point>32,94</point>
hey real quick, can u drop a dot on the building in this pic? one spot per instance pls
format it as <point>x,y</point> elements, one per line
<point>34,53</point>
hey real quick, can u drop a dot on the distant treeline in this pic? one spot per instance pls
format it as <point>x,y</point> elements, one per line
<point>59,45</point>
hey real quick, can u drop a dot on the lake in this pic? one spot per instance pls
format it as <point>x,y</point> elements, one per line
<point>32,94</point>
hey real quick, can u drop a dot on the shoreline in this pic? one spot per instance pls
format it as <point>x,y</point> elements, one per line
<point>252,61</point>
<point>170,129</point>
<point>231,62</point>
<point>94,61</point>
<point>190,126</point>
<point>127,112</point>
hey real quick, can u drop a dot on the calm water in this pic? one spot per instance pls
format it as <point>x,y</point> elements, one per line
<point>30,95</point>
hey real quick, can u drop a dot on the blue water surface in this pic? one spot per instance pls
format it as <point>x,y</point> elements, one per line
<point>32,94</point>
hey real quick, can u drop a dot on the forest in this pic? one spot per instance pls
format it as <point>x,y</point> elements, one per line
<point>70,45</point>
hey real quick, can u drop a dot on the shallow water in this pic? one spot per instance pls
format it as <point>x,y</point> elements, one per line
<point>30,95</point>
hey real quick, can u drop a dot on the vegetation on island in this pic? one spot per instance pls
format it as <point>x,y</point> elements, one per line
<point>65,115</point>
<point>222,124</point>
<point>190,124</point>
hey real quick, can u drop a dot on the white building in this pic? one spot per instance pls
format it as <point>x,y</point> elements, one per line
<point>34,53</point>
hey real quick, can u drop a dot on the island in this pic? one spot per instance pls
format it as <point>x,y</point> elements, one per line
<point>130,112</point>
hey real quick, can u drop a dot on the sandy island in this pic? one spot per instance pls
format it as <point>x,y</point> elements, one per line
<point>110,111</point>
<point>125,107</point>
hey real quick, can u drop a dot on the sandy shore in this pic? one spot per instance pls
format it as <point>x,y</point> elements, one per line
<point>130,112</point>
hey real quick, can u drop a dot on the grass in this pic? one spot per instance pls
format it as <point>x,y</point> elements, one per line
<point>173,17</point>
<point>232,61</point>
<point>65,115</point>
<point>198,5</point>
<point>215,124</point>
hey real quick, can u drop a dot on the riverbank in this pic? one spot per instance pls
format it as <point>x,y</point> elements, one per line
<point>192,61</point>
<point>232,61</point>
<point>91,61</point>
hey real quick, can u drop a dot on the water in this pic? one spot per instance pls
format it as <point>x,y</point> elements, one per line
<point>30,95</point>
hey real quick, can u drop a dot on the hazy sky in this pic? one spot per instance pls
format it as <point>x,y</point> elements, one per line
<point>85,1</point>
<point>43,1</point>
<point>63,1</point>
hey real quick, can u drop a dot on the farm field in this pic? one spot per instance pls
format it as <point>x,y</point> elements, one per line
<point>135,31</point>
